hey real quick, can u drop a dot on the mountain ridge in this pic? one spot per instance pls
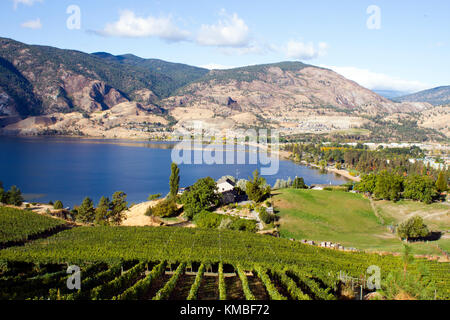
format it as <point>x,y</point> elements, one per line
<point>100,94</point>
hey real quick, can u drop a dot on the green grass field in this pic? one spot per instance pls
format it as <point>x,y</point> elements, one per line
<point>341,217</point>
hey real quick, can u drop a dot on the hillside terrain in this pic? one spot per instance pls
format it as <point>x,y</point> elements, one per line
<point>45,90</point>
<point>436,96</point>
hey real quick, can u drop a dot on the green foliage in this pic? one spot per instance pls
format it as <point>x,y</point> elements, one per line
<point>165,291</point>
<point>118,285</point>
<point>244,281</point>
<point>222,285</point>
<point>367,184</point>
<point>201,196</point>
<point>118,207</point>
<point>196,285</point>
<point>211,220</point>
<point>388,186</point>
<point>13,197</point>
<point>413,228</point>
<point>441,182</point>
<point>165,208</point>
<point>102,212</point>
<point>58,205</point>
<point>291,286</point>
<point>420,188</point>
<point>257,189</point>
<point>299,183</point>
<point>137,291</point>
<point>153,197</point>
<point>86,212</point>
<point>411,285</point>
<point>264,215</point>
<point>20,225</point>
<point>273,292</point>
<point>174,180</point>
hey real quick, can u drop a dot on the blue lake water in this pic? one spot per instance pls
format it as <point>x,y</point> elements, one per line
<point>69,169</point>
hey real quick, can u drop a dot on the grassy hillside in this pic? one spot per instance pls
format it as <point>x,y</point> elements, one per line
<point>335,216</point>
<point>344,218</point>
<point>436,217</point>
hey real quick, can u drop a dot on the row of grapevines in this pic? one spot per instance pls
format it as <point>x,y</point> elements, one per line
<point>273,292</point>
<point>222,286</point>
<point>60,291</point>
<point>291,286</point>
<point>244,281</point>
<point>165,291</point>
<point>32,287</point>
<point>116,286</point>
<point>196,285</point>
<point>94,281</point>
<point>316,290</point>
<point>138,290</point>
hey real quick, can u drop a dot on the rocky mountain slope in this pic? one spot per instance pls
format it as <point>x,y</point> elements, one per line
<point>59,91</point>
<point>437,96</point>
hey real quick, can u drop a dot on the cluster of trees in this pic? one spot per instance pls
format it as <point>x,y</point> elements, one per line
<point>108,212</point>
<point>363,160</point>
<point>11,197</point>
<point>392,186</point>
<point>297,183</point>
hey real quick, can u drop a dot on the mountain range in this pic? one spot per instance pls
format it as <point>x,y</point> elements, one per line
<point>45,90</point>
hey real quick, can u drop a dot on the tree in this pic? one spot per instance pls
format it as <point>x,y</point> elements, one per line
<point>14,196</point>
<point>388,186</point>
<point>257,188</point>
<point>441,182</point>
<point>153,197</point>
<point>413,228</point>
<point>86,212</point>
<point>420,188</point>
<point>58,205</point>
<point>201,196</point>
<point>102,211</point>
<point>367,184</point>
<point>299,183</point>
<point>174,180</point>
<point>118,206</point>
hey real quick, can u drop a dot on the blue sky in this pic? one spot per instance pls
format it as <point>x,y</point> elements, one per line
<point>406,48</point>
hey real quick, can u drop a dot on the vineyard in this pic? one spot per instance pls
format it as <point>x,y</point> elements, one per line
<point>160,263</point>
<point>19,225</point>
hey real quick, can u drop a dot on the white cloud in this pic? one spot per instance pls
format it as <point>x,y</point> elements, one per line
<point>32,24</point>
<point>25,2</point>
<point>215,66</point>
<point>305,51</point>
<point>230,31</point>
<point>131,26</point>
<point>379,81</point>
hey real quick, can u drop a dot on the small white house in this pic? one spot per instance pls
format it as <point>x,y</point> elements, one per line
<point>225,186</point>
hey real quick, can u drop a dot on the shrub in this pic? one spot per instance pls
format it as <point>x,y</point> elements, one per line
<point>58,205</point>
<point>165,208</point>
